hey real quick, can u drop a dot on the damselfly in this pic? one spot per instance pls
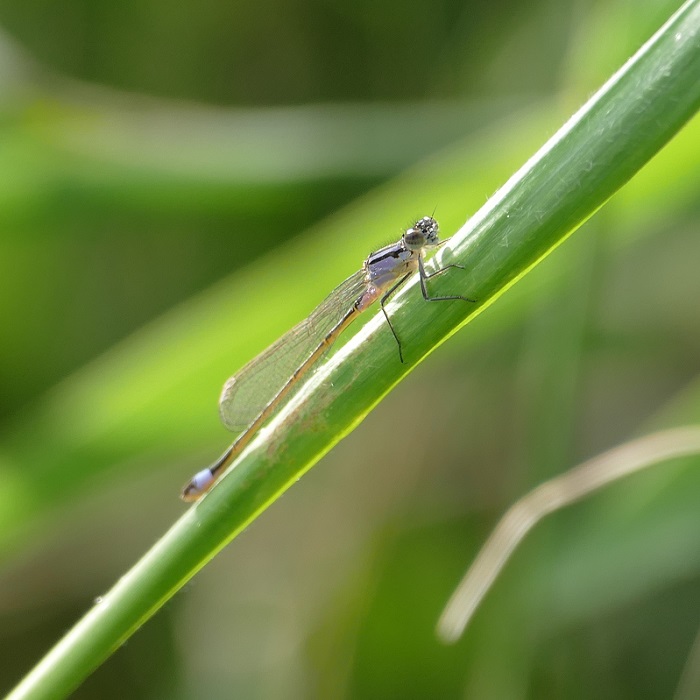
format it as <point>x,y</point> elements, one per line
<point>250,397</point>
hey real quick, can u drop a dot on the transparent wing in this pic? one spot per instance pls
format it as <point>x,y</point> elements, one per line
<point>248,391</point>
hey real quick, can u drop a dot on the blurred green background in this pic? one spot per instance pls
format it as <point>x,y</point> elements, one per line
<point>161,165</point>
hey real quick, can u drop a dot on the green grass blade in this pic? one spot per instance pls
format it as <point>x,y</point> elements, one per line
<point>591,157</point>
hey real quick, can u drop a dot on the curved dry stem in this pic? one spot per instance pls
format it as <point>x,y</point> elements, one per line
<point>552,495</point>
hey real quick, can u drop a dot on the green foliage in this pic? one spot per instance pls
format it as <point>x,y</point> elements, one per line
<point>584,351</point>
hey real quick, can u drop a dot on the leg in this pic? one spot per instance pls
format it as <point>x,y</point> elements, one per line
<point>425,276</point>
<point>383,301</point>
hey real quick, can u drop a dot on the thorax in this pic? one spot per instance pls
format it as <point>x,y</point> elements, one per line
<point>389,264</point>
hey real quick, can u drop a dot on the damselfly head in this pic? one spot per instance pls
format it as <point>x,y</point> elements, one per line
<point>422,234</point>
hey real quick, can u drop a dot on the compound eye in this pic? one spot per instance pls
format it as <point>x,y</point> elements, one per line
<point>414,237</point>
<point>422,234</point>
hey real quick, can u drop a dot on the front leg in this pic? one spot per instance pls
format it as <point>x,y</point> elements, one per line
<point>425,276</point>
